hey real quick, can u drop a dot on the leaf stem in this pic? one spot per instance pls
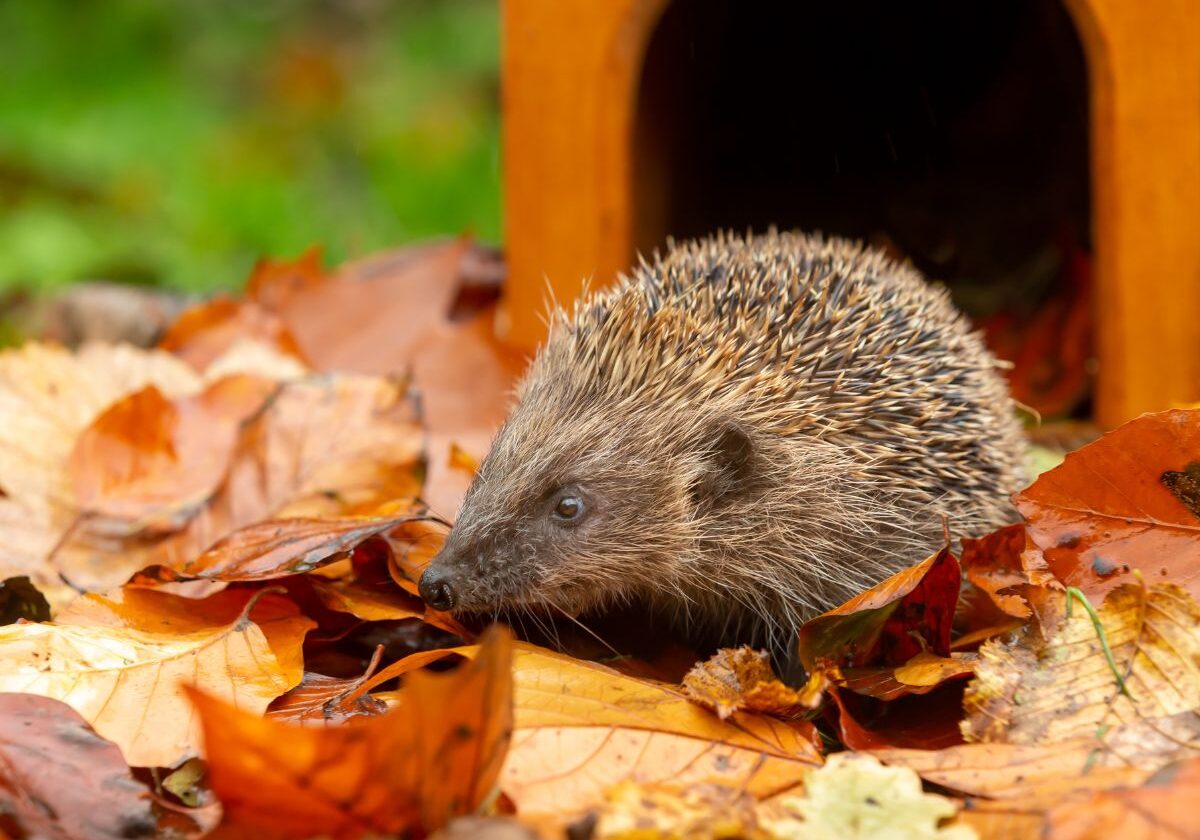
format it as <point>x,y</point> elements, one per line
<point>1077,594</point>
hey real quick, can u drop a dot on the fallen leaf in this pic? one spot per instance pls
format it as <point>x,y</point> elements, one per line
<point>660,812</point>
<point>61,781</point>
<point>323,447</point>
<point>741,679</point>
<point>149,463</point>
<point>1010,569</point>
<point>1035,776</point>
<point>328,700</point>
<point>48,395</point>
<point>1128,501</point>
<point>205,332</point>
<point>854,797</point>
<point>582,728</point>
<point>277,548</point>
<point>435,756</point>
<point>893,621</point>
<point>1164,806</point>
<point>1031,691</point>
<point>121,662</point>
<point>920,720</point>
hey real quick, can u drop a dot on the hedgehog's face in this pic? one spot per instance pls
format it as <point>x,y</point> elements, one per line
<point>574,514</point>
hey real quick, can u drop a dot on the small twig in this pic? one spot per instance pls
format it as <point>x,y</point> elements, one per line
<point>1074,592</point>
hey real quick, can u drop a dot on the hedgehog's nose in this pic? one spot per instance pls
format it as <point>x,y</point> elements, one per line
<point>437,589</point>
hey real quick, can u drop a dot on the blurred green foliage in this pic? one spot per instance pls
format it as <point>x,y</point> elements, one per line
<point>175,142</point>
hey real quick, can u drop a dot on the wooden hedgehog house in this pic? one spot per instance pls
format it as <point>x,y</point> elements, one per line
<point>996,144</point>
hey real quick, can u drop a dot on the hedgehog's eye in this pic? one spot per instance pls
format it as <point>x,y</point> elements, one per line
<point>569,508</point>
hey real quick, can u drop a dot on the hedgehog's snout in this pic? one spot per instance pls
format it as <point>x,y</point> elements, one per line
<point>437,588</point>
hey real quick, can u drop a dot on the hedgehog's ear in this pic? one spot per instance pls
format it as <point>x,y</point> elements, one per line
<point>729,467</point>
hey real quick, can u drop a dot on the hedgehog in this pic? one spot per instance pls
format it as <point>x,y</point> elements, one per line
<point>740,434</point>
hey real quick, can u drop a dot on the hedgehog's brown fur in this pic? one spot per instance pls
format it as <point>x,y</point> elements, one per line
<point>760,428</point>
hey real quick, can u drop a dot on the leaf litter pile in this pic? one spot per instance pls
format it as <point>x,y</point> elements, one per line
<point>210,622</point>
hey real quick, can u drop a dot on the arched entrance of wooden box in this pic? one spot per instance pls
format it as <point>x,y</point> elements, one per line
<point>954,134</point>
<point>577,201</point>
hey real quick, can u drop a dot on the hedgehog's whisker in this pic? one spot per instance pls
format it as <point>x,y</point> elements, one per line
<point>587,630</point>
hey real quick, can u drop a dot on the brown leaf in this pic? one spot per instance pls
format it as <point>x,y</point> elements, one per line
<point>581,728</point>
<point>121,662</point>
<point>1031,691</point>
<point>202,334</point>
<point>61,781</point>
<point>1125,502</point>
<point>149,463</point>
<point>1010,569</point>
<point>409,771</point>
<point>323,447</point>
<point>1163,807</point>
<point>277,548</point>
<point>48,395</point>
<point>1036,776</point>
<point>741,679</point>
<point>328,700</point>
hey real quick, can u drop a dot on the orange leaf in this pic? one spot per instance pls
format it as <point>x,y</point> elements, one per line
<point>741,679</point>
<point>328,700</point>
<point>206,331</point>
<point>1131,500</point>
<point>581,728</point>
<point>1036,776</point>
<point>322,447</point>
<point>437,755</point>
<point>1010,569</point>
<point>153,462</point>
<point>122,661</point>
<point>58,779</point>
<point>1164,806</point>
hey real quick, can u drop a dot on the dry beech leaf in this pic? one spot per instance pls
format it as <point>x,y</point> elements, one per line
<point>1030,691</point>
<point>854,797</point>
<point>436,755</point>
<point>122,661</point>
<point>148,463</point>
<point>741,679</point>
<point>1010,570</point>
<point>325,700</point>
<point>662,812</point>
<point>1163,807</point>
<point>1034,777</point>
<point>582,728</point>
<point>890,623</point>
<point>324,446</point>
<point>1131,500</point>
<point>289,546</point>
<point>61,781</point>
<point>48,395</point>
<point>205,332</point>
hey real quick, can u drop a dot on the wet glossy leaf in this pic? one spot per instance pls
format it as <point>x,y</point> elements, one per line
<point>1131,500</point>
<point>910,612</point>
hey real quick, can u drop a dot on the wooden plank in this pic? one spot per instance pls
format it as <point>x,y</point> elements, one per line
<point>570,75</point>
<point>1144,68</point>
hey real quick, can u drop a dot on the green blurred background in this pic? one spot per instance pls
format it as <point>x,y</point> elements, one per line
<point>173,143</point>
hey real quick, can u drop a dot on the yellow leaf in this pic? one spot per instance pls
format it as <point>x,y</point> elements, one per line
<point>581,728</point>
<point>1031,691</point>
<point>741,678</point>
<point>122,662</point>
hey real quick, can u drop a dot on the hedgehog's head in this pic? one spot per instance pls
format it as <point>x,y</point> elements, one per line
<point>584,503</point>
